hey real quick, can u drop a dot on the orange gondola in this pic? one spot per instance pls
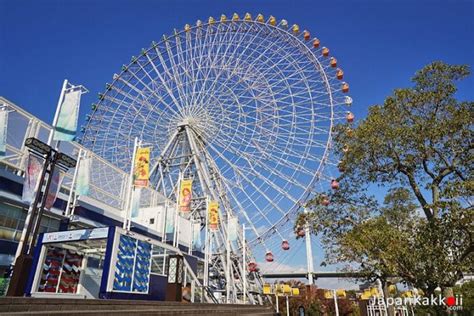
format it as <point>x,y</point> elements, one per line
<point>325,51</point>
<point>339,74</point>
<point>345,87</point>
<point>301,232</point>
<point>334,184</point>
<point>316,42</point>
<point>306,35</point>
<point>333,62</point>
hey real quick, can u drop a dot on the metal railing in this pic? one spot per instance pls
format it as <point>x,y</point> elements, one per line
<point>107,182</point>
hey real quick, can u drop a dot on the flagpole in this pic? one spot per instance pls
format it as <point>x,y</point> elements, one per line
<point>206,245</point>
<point>130,185</point>
<point>176,215</point>
<point>227,272</point>
<point>72,191</point>
<point>244,265</point>
<point>56,115</point>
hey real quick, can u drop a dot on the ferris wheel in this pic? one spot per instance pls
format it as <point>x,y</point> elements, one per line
<point>254,99</point>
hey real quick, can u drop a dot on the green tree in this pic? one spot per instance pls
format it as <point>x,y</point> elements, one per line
<point>418,144</point>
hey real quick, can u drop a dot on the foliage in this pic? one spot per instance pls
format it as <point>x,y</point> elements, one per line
<point>418,147</point>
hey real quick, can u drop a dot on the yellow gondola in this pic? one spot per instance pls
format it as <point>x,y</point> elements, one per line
<point>211,20</point>
<point>272,20</point>
<point>187,28</point>
<point>235,17</point>
<point>260,18</point>
<point>295,28</point>
<point>223,18</point>
<point>248,17</point>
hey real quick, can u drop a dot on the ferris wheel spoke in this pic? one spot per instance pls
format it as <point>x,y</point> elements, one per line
<point>241,53</point>
<point>236,170</point>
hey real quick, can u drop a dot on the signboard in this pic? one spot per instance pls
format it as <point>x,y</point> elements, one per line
<point>73,235</point>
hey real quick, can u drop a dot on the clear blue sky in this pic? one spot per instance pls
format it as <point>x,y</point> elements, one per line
<point>379,43</point>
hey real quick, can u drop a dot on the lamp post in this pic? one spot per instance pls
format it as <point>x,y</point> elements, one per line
<point>52,159</point>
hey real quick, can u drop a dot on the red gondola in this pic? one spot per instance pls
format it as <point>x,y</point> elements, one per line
<point>325,201</point>
<point>269,256</point>
<point>285,245</point>
<point>333,62</point>
<point>334,184</point>
<point>350,117</point>
<point>339,74</point>
<point>301,232</point>
<point>252,266</point>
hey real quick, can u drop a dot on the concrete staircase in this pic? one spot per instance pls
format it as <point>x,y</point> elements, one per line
<point>22,306</point>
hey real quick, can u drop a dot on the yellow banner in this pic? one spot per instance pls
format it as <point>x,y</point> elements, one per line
<point>213,209</point>
<point>141,172</point>
<point>185,195</point>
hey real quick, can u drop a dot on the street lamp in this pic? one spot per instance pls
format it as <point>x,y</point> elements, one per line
<point>23,262</point>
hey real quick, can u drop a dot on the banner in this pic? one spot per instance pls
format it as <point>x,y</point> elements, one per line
<point>197,236</point>
<point>185,195</point>
<point>233,228</point>
<point>54,187</point>
<point>135,204</point>
<point>66,126</point>
<point>213,209</point>
<point>32,174</point>
<point>141,171</point>
<point>83,176</point>
<point>3,132</point>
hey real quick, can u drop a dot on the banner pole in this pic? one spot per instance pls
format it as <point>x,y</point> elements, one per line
<point>227,272</point>
<point>206,245</point>
<point>72,191</point>
<point>244,265</point>
<point>128,203</point>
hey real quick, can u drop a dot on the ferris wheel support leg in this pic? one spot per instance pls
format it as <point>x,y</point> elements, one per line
<point>205,181</point>
<point>309,252</point>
